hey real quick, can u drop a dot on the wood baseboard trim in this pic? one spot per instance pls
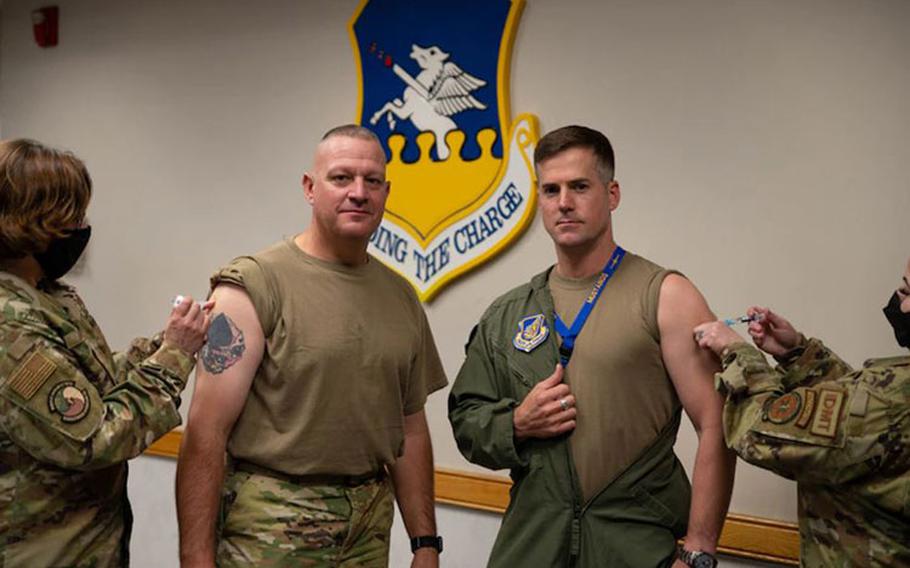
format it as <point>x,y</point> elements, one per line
<point>167,446</point>
<point>743,536</point>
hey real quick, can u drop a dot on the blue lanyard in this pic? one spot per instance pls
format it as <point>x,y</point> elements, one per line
<point>570,334</point>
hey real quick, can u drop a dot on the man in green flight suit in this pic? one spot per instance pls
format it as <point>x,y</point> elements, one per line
<point>71,412</point>
<point>842,434</point>
<point>590,445</point>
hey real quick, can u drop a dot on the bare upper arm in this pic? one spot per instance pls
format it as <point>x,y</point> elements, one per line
<point>228,361</point>
<point>416,423</point>
<point>681,307</point>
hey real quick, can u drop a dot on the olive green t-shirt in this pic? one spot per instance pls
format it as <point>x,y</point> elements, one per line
<point>348,354</point>
<point>623,393</point>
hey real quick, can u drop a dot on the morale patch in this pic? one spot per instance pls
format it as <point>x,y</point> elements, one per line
<point>532,331</point>
<point>69,401</point>
<point>784,408</point>
<point>806,415</point>
<point>31,375</point>
<point>827,415</point>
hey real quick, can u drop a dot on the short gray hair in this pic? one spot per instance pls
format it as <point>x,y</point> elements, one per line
<point>352,131</point>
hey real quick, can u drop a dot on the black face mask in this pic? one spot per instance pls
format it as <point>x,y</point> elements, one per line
<point>898,320</point>
<point>63,253</point>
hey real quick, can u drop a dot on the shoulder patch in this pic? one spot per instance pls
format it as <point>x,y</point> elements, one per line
<point>827,413</point>
<point>31,375</point>
<point>806,415</point>
<point>783,409</point>
<point>69,401</point>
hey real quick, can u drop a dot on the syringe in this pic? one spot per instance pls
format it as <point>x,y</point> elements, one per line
<point>744,319</point>
<point>178,299</point>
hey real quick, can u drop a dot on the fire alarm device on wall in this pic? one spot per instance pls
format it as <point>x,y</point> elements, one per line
<point>44,23</point>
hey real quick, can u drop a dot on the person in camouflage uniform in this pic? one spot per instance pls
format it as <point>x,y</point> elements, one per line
<point>71,412</point>
<point>842,434</point>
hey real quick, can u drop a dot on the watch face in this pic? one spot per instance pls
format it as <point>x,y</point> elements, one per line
<point>704,561</point>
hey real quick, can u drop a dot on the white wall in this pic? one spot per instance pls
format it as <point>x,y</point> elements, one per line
<point>761,147</point>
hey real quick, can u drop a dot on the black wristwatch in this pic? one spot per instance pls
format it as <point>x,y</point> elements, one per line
<point>697,558</point>
<point>431,541</point>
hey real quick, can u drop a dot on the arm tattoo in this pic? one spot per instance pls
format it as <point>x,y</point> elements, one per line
<point>224,347</point>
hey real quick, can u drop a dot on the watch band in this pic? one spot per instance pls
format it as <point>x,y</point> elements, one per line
<point>426,541</point>
<point>696,558</point>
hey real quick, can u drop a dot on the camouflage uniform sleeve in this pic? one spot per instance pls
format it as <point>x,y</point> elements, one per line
<point>51,409</point>
<point>810,362</point>
<point>829,432</point>
<point>140,349</point>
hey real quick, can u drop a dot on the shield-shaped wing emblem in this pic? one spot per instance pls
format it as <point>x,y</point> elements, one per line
<point>434,88</point>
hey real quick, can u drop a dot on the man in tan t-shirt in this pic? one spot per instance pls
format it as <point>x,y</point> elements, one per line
<point>318,363</point>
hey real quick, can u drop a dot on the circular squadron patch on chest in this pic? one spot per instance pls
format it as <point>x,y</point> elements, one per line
<point>783,409</point>
<point>69,401</point>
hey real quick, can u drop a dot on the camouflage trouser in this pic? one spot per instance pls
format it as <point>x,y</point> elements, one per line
<point>268,521</point>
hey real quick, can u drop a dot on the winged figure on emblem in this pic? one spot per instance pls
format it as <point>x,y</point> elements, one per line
<point>441,90</point>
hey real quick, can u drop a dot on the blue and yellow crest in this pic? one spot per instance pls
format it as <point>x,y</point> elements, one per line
<point>532,331</point>
<point>434,88</point>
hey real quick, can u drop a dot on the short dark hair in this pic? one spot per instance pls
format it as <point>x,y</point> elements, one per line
<point>43,191</point>
<point>575,136</point>
<point>352,131</point>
